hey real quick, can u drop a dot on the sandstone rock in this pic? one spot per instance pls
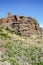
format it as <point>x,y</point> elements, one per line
<point>42,31</point>
<point>26,26</point>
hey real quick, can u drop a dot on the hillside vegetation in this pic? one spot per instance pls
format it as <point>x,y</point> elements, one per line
<point>19,50</point>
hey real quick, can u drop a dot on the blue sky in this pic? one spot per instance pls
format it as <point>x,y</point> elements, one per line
<point>33,8</point>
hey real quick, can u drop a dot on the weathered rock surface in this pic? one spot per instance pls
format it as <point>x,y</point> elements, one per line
<point>26,26</point>
<point>42,31</point>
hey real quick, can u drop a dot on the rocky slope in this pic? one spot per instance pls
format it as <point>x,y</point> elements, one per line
<point>42,31</point>
<point>18,50</point>
<point>26,49</point>
<point>25,26</point>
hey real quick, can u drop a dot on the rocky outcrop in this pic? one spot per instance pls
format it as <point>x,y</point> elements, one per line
<point>26,26</point>
<point>42,31</point>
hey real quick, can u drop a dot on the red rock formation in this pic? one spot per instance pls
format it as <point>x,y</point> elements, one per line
<point>26,26</point>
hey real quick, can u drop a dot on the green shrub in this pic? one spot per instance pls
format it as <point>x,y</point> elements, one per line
<point>7,29</point>
<point>5,35</point>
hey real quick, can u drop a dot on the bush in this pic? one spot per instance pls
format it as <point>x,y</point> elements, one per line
<point>4,35</point>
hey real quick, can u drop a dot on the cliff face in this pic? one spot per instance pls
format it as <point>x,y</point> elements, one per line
<point>25,26</point>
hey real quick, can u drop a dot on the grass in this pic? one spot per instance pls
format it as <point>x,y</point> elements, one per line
<point>4,35</point>
<point>11,31</point>
<point>7,29</point>
<point>30,55</point>
<point>19,54</point>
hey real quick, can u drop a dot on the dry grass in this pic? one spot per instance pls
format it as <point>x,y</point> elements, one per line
<point>20,50</point>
